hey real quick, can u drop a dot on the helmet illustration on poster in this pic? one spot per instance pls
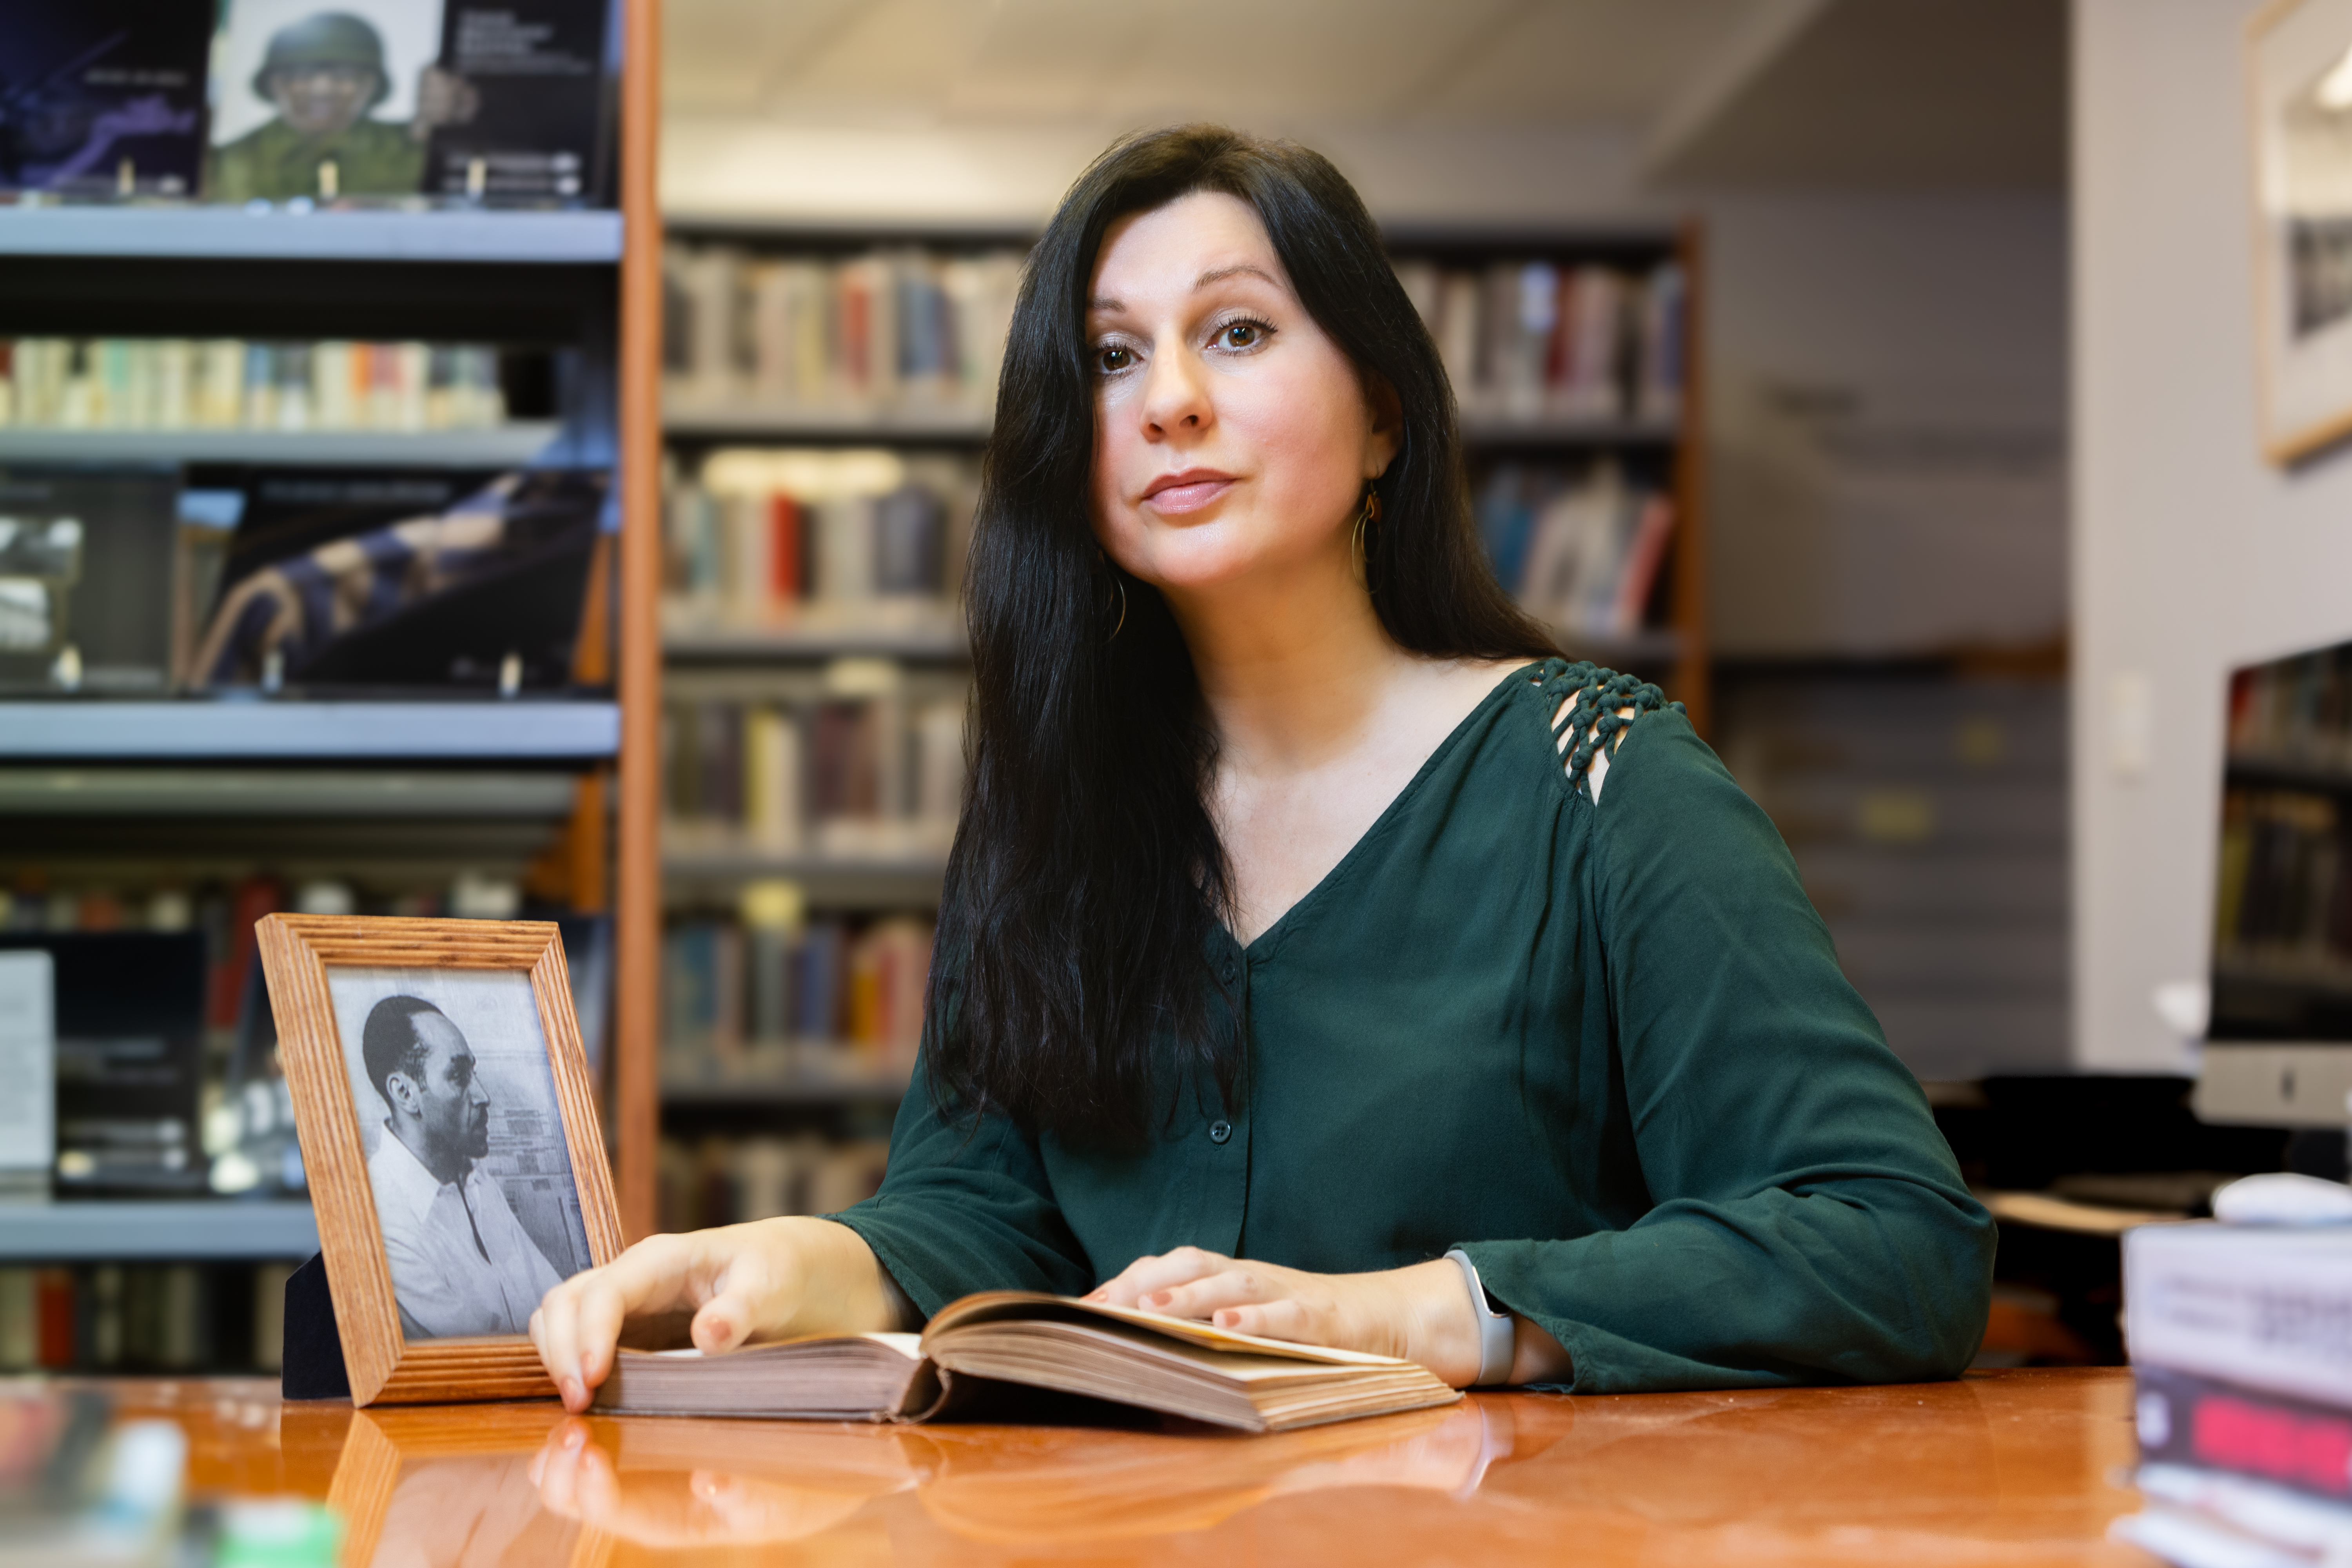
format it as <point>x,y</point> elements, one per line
<point>356,101</point>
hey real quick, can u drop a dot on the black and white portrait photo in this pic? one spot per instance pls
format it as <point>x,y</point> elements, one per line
<point>464,1144</point>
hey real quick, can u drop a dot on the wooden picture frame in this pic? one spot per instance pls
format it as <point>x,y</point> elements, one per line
<point>322,969</point>
<point>2299,104</point>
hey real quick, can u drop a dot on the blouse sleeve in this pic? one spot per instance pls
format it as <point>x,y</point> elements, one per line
<point>1808,1222</point>
<point>965,1208</point>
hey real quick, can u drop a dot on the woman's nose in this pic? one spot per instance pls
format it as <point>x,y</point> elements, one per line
<point>1176,397</point>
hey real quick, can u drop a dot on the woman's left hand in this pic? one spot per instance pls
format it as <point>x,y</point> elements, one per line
<point>1421,1313</point>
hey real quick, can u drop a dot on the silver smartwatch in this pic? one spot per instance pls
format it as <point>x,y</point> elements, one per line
<point>1496,1338</point>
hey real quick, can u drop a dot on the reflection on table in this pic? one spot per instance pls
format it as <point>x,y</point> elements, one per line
<point>2014,1467</point>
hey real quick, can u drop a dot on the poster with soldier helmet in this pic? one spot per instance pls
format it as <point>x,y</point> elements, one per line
<point>353,101</point>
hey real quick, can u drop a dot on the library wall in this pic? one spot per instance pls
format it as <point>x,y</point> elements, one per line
<point>1829,313</point>
<point>2193,553</point>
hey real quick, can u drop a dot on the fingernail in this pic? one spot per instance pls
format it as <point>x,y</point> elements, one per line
<point>1160,1297</point>
<point>573,1438</point>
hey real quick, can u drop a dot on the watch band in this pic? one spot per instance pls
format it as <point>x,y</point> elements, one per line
<point>1496,1338</point>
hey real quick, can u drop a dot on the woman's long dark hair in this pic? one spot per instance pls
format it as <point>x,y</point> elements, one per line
<point>1073,990</point>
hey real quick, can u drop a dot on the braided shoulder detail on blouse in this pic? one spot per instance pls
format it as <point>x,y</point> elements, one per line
<point>1591,710</point>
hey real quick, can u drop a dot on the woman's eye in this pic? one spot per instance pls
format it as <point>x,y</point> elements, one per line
<point>1111,360</point>
<point>1239,335</point>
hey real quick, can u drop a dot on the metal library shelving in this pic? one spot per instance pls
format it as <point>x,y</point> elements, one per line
<point>458,773</point>
<point>516,442</point>
<point>119,1231</point>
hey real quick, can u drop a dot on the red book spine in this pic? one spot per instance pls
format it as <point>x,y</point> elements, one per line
<point>783,549</point>
<point>53,1308</point>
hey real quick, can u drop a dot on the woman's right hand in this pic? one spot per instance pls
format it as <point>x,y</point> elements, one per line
<point>770,1280</point>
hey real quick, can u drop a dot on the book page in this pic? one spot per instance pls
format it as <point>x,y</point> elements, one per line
<point>992,1305</point>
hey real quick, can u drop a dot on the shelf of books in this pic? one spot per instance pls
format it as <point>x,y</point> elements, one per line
<point>313,545</point>
<point>825,393</point>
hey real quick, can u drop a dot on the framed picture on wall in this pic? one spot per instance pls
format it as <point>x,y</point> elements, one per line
<point>449,1135</point>
<point>2299,77</point>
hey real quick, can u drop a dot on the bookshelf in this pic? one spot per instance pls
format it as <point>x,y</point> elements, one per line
<point>741,378</point>
<point>185,1232</point>
<point>108,794</point>
<point>506,446</point>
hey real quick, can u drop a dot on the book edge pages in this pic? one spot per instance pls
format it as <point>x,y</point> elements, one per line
<point>993,1305</point>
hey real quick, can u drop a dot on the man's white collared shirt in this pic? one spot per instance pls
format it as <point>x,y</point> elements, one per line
<point>445,1285</point>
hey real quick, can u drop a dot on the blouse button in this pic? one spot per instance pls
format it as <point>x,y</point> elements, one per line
<point>1229,971</point>
<point>1220,1130</point>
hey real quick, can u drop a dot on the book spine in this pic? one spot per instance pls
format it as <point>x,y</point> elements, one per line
<point>2186,1419</point>
<point>2204,1300</point>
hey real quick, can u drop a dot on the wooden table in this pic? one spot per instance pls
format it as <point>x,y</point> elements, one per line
<point>2008,1468</point>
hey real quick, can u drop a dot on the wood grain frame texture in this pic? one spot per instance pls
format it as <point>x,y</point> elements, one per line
<point>297,951</point>
<point>2283,448</point>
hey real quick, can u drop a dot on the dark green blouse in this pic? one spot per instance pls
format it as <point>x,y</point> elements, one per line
<point>1602,1044</point>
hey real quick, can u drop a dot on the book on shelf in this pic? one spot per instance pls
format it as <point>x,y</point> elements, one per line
<point>719,1180</point>
<point>103,98</point>
<point>401,578</point>
<point>538,126</point>
<point>377,100</point>
<point>737,993</point>
<point>85,585</point>
<point>235,383</point>
<point>1129,1357</point>
<point>759,538</point>
<point>906,327</point>
<point>1582,550</point>
<point>2242,1397</point>
<point>1534,340</point>
<point>813,773</point>
<point>151,1318</point>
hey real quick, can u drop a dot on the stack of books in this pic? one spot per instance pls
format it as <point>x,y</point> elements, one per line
<point>1535,340</point>
<point>848,337</point>
<point>162,1318</point>
<point>233,383</point>
<point>721,1180</point>
<point>752,999</point>
<point>2241,1350</point>
<point>842,776</point>
<point>1582,550</point>
<point>758,539</point>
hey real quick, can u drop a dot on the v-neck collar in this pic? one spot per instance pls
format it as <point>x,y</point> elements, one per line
<point>1389,813</point>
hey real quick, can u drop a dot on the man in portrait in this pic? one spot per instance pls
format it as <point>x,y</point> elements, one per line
<point>325,75</point>
<point>461,1262</point>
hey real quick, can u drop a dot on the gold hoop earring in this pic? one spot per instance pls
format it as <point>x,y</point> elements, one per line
<point>1370,514</point>
<point>1119,583</point>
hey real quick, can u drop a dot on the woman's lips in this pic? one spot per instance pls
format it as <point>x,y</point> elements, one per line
<point>1190,494</point>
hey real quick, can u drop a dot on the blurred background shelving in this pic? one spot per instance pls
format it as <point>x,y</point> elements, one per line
<point>150,808</point>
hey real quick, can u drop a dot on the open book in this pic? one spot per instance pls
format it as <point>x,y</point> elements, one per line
<point>1164,1364</point>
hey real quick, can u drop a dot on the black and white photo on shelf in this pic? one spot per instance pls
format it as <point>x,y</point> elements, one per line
<point>464,1144</point>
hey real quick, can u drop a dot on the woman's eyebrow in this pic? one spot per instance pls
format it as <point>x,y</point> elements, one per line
<point>1218,274</point>
<point>1214,275</point>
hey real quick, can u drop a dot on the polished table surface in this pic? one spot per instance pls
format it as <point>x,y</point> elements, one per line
<point>2011,1467</point>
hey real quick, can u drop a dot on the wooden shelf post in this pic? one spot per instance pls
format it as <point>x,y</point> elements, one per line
<point>636,1042</point>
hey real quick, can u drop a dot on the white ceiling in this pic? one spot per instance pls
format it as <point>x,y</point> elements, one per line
<point>921,64</point>
<point>967,108</point>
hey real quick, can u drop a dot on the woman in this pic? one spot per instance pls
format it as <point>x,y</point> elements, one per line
<point>1311,922</point>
